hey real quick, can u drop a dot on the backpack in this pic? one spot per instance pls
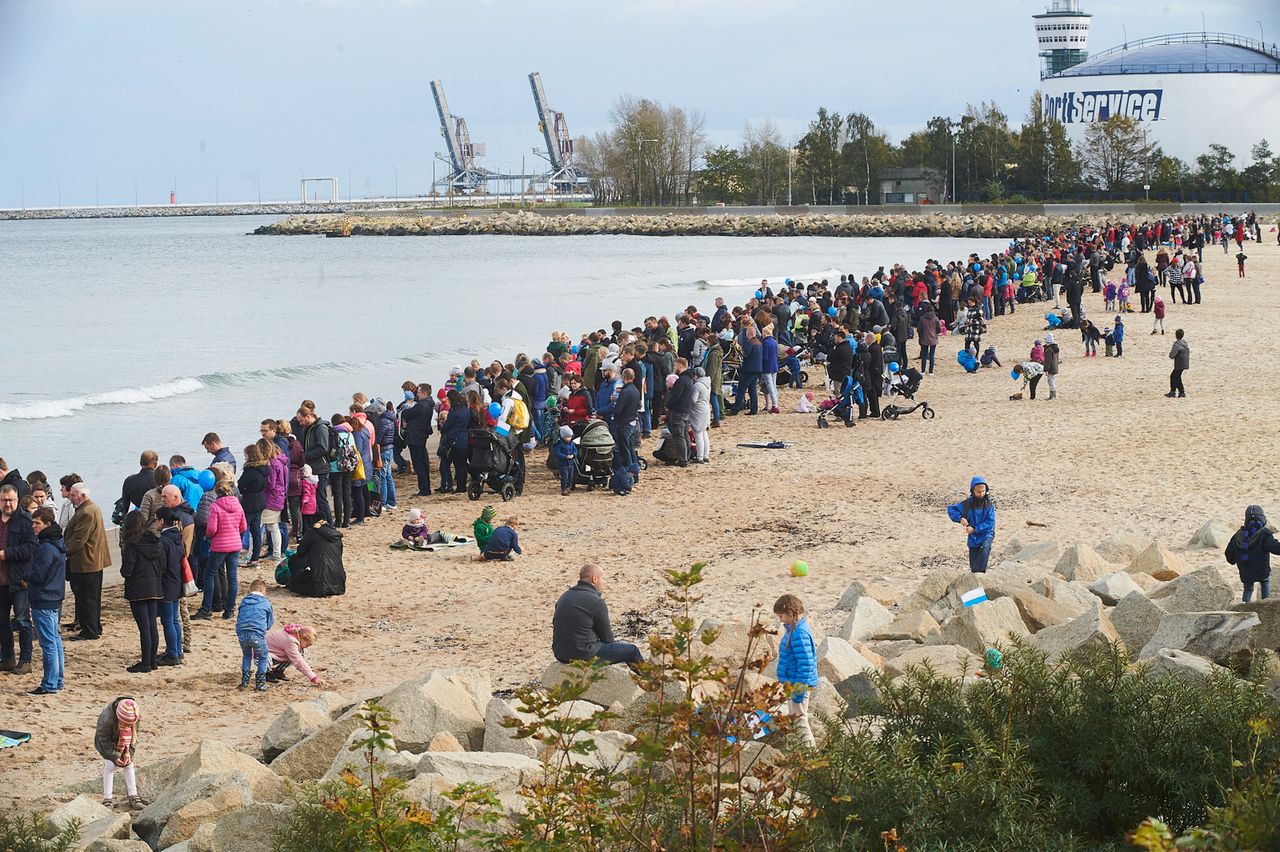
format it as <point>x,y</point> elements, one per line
<point>332,453</point>
<point>519,417</point>
<point>348,458</point>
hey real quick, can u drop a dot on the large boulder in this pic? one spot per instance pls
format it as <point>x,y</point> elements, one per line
<point>1159,562</point>
<point>1081,562</point>
<point>312,757</point>
<point>865,620</point>
<point>1136,618</point>
<point>917,626</point>
<point>609,753</point>
<point>615,686</point>
<point>931,589</point>
<point>1120,546</point>
<point>1206,589</point>
<point>295,723</point>
<point>731,645</point>
<point>946,660</point>
<point>114,844</point>
<point>1072,594</point>
<point>250,829</point>
<point>1039,553</point>
<point>985,624</point>
<point>839,663</point>
<point>391,763</point>
<point>452,700</point>
<point>1180,664</point>
<point>1212,534</point>
<point>498,738</point>
<point>96,822</point>
<point>1078,636</point>
<point>1267,634</point>
<point>880,592</point>
<point>175,815</point>
<point>1215,635</point>
<point>951,603</point>
<point>1112,587</point>
<point>1039,612</point>
<point>503,771</point>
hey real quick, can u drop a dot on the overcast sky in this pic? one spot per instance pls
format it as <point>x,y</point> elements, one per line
<point>118,90</point>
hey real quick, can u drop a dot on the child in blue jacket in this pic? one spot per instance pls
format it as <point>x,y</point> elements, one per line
<point>977,514</point>
<point>565,452</point>
<point>797,661</point>
<point>255,618</point>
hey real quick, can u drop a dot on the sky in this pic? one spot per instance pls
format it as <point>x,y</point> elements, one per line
<point>229,99</point>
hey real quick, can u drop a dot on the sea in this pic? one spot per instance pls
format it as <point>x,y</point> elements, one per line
<point>122,335</point>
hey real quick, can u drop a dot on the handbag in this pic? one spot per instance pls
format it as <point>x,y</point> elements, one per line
<point>188,579</point>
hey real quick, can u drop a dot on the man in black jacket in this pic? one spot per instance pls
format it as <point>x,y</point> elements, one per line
<point>14,478</point>
<point>18,545</point>
<point>136,486</point>
<point>417,420</point>
<point>679,408</point>
<point>580,629</point>
<point>317,447</point>
<point>626,410</point>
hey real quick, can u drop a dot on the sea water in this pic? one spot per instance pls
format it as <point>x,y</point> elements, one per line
<point>121,335</point>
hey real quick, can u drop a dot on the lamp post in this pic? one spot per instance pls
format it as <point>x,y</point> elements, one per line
<point>791,156</point>
<point>639,171</point>
<point>955,126</point>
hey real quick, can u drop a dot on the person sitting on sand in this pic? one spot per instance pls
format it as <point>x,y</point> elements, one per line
<point>482,528</point>
<point>580,628</point>
<point>503,541</point>
<point>415,529</point>
<point>285,647</point>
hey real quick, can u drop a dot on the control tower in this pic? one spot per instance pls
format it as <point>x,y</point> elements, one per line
<point>1063,36</point>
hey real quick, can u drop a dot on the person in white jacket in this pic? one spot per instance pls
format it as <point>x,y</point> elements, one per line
<point>700,416</point>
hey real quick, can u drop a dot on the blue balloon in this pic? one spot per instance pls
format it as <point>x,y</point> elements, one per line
<point>831,311</point>
<point>1013,374</point>
<point>495,409</point>
<point>207,480</point>
<point>574,349</point>
<point>759,294</point>
<point>893,366</point>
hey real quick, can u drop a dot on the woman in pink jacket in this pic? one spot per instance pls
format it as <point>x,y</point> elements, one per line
<point>226,526</point>
<point>285,646</point>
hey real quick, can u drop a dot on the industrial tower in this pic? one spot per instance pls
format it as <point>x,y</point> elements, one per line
<point>564,176</point>
<point>465,176</point>
<point>1063,35</point>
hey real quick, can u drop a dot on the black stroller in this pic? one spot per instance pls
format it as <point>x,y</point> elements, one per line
<point>595,455</point>
<point>491,462</point>
<point>904,384</point>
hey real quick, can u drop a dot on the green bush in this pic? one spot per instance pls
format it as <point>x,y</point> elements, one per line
<point>29,833</point>
<point>1035,756</point>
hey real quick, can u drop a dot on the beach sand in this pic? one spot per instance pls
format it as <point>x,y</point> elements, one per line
<point>1110,453</point>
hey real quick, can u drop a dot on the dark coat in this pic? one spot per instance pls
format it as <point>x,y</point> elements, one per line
<point>680,396</point>
<point>316,569</point>
<point>627,407</point>
<point>840,363</point>
<point>416,422</point>
<point>142,565</point>
<point>253,487</point>
<point>1254,563</point>
<point>20,547</point>
<point>135,488</point>
<point>174,551</point>
<point>46,574</point>
<point>455,428</point>
<point>580,624</point>
<point>20,485</point>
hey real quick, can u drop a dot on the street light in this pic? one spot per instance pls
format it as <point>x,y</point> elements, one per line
<point>954,126</point>
<point>639,167</point>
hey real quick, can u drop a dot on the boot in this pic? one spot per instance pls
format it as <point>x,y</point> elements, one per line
<point>1053,394</point>
<point>244,682</point>
<point>261,685</point>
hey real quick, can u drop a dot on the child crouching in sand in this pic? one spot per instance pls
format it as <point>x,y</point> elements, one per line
<point>797,661</point>
<point>116,739</point>
<point>503,541</point>
<point>285,648</point>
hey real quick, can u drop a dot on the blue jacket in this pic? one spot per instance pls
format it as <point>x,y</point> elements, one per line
<point>1117,333</point>
<point>769,355</point>
<point>604,400</point>
<point>752,358</point>
<point>188,483</point>
<point>981,515</point>
<point>46,573</point>
<point>503,540</point>
<point>365,449</point>
<point>565,451</point>
<point>385,429</point>
<point>797,656</point>
<point>256,615</point>
<point>224,455</point>
<point>454,431</point>
<point>21,547</point>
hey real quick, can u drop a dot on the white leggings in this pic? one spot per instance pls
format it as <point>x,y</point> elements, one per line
<point>273,532</point>
<point>702,445</point>
<point>1158,322</point>
<point>109,776</point>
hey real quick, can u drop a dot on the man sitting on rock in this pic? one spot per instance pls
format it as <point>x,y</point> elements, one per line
<point>580,629</point>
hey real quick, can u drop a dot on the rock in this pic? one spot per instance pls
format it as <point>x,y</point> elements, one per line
<point>946,660</point>
<point>84,807</point>
<point>391,762</point>
<point>1216,635</point>
<point>838,662</point>
<point>452,700</point>
<point>950,604</point>
<point>311,758</point>
<point>881,593</point>
<point>1136,618</point>
<point>1081,562</point>
<point>105,844</point>
<point>824,703</point>
<point>445,741</point>
<point>1206,589</point>
<point>114,827</point>
<point>866,618</point>
<point>250,829</point>
<point>1267,634</point>
<point>916,626</point>
<point>615,685</point>
<point>503,771</point>
<point>1078,636</point>
<point>1121,546</point>
<point>931,589</point>
<point>1010,576</point>
<point>1039,612</point>
<point>1159,563</point>
<point>1041,553</point>
<point>1212,534</point>
<point>295,723</point>
<point>202,799</point>
<point>731,644</point>
<point>610,750</point>
<point>985,624</point>
<point>1147,583</point>
<point>498,738</point>
<point>214,758</point>
<point>1180,664</point>
<point>1072,594</point>
<point>1112,587</point>
<point>890,648</point>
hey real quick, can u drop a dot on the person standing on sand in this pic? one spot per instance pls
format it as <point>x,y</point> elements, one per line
<point>142,564</point>
<point>45,577</point>
<point>417,417</point>
<point>18,545</point>
<point>977,514</point>
<point>317,451</point>
<point>213,446</point>
<point>1250,551</point>
<point>1181,355</point>
<point>580,628</point>
<point>87,555</point>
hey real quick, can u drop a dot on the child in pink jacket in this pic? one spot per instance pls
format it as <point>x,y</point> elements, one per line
<point>309,481</point>
<point>285,646</point>
<point>226,527</point>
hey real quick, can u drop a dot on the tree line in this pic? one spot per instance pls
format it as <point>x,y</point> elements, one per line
<point>657,154</point>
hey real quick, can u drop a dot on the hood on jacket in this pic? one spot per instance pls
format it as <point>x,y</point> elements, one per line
<point>53,533</point>
<point>976,481</point>
<point>148,544</point>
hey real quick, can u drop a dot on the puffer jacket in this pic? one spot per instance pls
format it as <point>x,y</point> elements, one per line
<point>253,486</point>
<point>188,482</point>
<point>226,525</point>
<point>46,573</point>
<point>797,656</point>
<point>386,431</point>
<point>142,565</point>
<point>981,514</point>
<point>365,448</point>
<point>174,552</point>
<point>296,462</point>
<point>277,483</point>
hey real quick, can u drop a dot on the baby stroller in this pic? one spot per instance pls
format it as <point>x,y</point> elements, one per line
<point>595,455</point>
<point>903,384</point>
<point>491,463</point>
<point>804,357</point>
<point>841,406</point>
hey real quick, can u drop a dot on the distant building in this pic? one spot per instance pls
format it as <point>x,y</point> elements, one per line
<point>911,185</point>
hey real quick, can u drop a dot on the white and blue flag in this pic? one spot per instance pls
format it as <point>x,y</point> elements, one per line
<point>974,596</point>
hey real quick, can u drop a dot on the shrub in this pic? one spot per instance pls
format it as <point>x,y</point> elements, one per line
<point>1057,755</point>
<point>31,833</point>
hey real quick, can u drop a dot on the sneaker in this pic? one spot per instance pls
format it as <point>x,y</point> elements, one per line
<point>137,803</point>
<point>139,668</point>
<point>261,686</point>
<point>202,615</point>
<point>169,661</point>
<point>23,668</point>
<point>1171,394</point>
<point>8,665</point>
<point>40,690</point>
<point>228,615</point>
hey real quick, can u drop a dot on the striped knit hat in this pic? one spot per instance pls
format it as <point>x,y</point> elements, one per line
<point>487,514</point>
<point>126,711</point>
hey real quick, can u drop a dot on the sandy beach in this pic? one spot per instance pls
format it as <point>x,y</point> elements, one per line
<point>1110,453</point>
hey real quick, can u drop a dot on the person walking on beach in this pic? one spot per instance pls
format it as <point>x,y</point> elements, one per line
<point>1181,355</point>
<point>18,545</point>
<point>797,661</point>
<point>1250,551</point>
<point>580,628</point>
<point>45,578</point>
<point>87,555</point>
<point>977,514</point>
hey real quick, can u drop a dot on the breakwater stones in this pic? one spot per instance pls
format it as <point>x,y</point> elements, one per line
<point>526,224</point>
